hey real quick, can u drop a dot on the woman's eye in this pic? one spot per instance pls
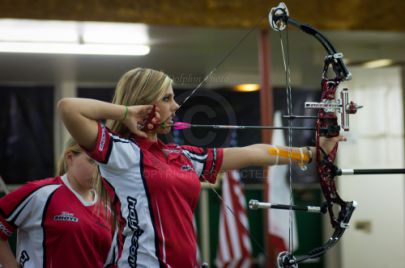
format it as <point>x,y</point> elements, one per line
<point>166,98</point>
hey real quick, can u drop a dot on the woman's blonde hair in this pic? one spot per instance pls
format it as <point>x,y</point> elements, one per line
<point>71,146</point>
<point>105,201</point>
<point>138,86</point>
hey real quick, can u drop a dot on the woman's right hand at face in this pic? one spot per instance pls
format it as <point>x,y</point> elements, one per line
<point>139,119</point>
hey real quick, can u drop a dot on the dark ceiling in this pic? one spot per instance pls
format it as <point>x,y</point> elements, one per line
<point>361,15</point>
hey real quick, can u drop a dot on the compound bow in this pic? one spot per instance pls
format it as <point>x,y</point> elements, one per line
<point>326,125</point>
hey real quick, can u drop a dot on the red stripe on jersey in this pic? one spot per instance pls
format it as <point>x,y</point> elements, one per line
<point>212,162</point>
<point>102,149</point>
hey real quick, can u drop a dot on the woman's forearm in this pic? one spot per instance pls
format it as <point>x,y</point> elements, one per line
<point>7,258</point>
<point>91,109</point>
<point>80,117</point>
<point>265,155</point>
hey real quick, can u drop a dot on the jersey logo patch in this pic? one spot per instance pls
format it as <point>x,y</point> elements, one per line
<point>186,168</point>
<point>169,151</point>
<point>65,216</point>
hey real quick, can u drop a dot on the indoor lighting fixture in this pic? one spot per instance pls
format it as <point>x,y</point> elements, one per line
<point>377,63</point>
<point>71,37</point>
<point>13,30</point>
<point>114,33</point>
<point>247,87</point>
<point>75,49</point>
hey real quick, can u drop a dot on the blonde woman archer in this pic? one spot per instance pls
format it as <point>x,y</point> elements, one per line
<point>157,184</point>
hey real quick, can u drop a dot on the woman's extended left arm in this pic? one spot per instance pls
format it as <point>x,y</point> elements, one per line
<point>266,155</point>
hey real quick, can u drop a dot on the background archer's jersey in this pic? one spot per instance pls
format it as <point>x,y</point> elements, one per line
<point>56,227</point>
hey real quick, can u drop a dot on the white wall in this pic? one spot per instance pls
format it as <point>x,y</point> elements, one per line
<point>376,140</point>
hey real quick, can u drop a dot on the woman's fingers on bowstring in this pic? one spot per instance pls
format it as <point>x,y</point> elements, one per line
<point>152,119</point>
<point>157,114</point>
<point>146,117</point>
<point>155,117</point>
<point>136,115</point>
<point>143,110</point>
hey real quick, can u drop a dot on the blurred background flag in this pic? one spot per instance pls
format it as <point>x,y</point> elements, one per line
<point>234,248</point>
<point>279,192</point>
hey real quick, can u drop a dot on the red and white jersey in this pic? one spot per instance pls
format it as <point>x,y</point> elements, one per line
<point>55,226</point>
<point>158,187</point>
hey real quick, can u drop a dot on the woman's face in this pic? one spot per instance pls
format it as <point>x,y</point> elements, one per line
<point>167,109</point>
<point>81,168</point>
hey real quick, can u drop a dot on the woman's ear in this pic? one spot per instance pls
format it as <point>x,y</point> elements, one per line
<point>69,158</point>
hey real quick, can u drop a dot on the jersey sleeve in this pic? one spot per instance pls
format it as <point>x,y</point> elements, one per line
<point>17,208</point>
<point>113,152</point>
<point>206,162</point>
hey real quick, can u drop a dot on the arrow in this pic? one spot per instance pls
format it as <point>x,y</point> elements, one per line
<point>184,125</point>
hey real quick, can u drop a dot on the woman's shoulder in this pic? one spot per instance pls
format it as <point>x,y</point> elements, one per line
<point>192,149</point>
<point>33,190</point>
<point>35,185</point>
<point>46,181</point>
